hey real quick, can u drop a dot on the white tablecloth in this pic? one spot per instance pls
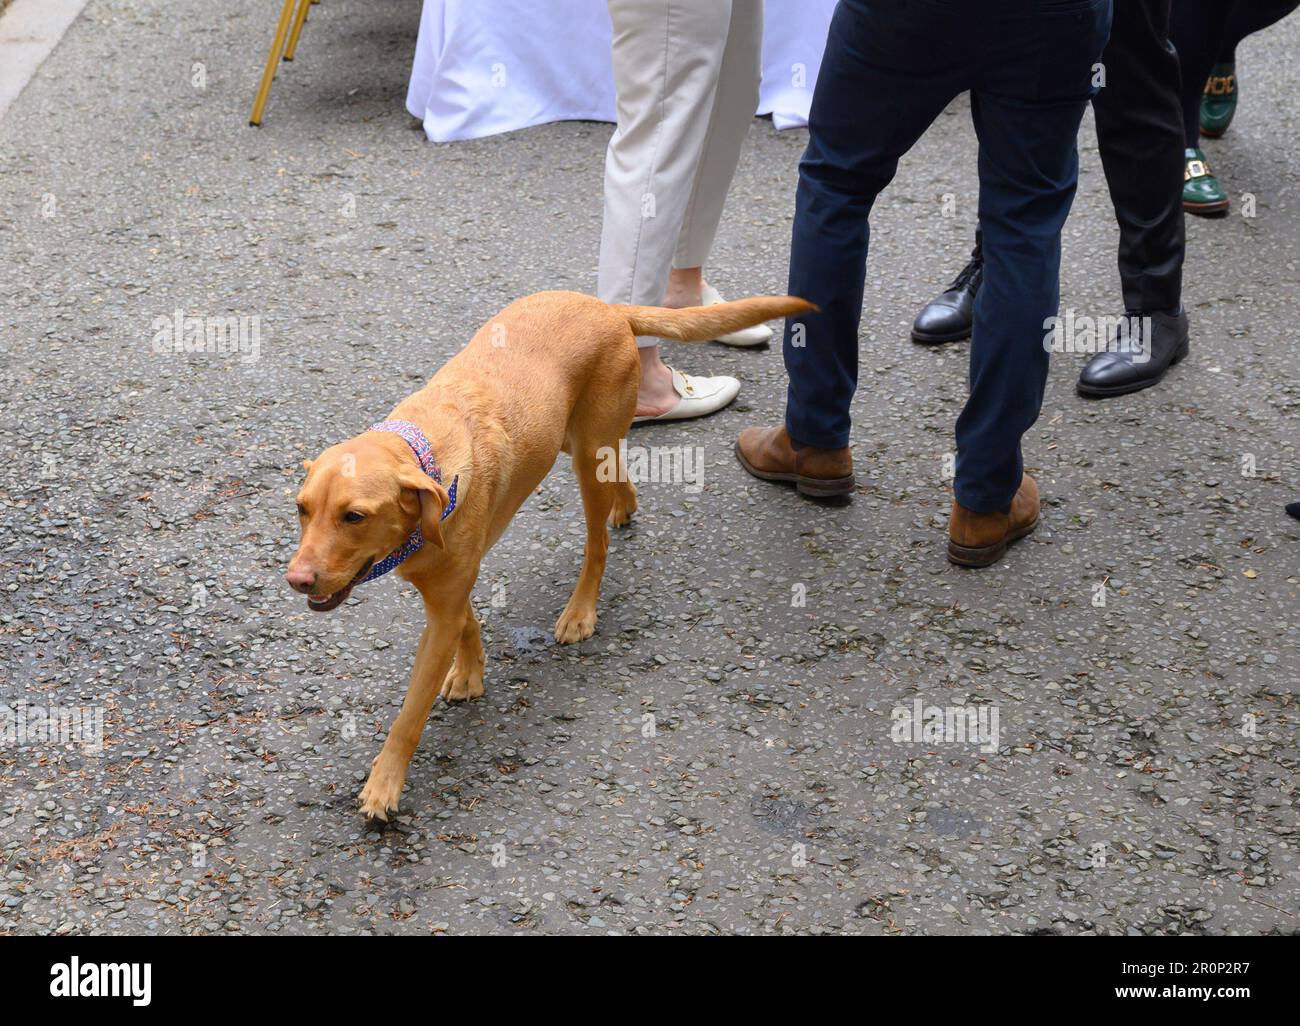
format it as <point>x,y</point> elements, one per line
<point>488,66</point>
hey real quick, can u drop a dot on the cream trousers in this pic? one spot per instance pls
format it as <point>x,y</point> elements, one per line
<point>686,74</point>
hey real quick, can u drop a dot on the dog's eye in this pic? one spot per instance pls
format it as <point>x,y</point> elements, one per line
<point>353,517</point>
<point>302,510</point>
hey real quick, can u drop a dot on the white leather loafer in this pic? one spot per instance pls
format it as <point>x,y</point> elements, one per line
<point>700,396</point>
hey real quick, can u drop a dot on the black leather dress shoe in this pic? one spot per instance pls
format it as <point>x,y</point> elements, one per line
<point>1294,509</point>
<point>948,317</point>
<point>1133,363</point>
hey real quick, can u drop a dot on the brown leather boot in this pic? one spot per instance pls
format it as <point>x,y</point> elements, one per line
<point>981,539</point>
<point>769,453</point>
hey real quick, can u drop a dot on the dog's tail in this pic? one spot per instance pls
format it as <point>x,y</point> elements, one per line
<point>703,323</point>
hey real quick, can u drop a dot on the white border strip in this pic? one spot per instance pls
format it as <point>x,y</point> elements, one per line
<point>29,32</point>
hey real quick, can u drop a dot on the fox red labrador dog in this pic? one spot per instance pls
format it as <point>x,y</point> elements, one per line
<point>429,490</point>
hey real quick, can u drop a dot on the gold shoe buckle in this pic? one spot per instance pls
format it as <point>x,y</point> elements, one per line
<point>1221,85</point>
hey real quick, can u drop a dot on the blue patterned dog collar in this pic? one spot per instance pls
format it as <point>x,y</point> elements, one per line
<point>413,437</point>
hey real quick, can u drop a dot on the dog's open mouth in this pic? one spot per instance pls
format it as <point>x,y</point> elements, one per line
<point>324,603</point>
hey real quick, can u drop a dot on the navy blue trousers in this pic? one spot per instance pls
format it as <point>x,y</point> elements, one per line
<point>890,68</point>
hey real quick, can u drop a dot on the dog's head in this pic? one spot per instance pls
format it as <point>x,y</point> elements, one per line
<point>361,500</point>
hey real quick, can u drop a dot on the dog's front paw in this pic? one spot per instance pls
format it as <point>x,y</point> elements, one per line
<point>575,625</point>
<point>383,788</point>
<point>463,682</point>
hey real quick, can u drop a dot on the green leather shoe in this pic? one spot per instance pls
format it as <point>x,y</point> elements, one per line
<point>1202,193</point>
<point>1220,101</point>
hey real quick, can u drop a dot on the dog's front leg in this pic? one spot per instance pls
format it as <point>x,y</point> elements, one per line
<point>446,622</point>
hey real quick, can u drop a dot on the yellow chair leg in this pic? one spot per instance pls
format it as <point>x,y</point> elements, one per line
<point>272,59</point>
<point>298,21</point>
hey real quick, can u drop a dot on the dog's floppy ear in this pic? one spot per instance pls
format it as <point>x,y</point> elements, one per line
<point>307,465</point>
<point>433,500</point>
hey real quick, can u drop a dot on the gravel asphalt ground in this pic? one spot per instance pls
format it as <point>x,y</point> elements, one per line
<point>719,757</point>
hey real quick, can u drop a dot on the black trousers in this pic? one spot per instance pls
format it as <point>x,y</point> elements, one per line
<point>1206,32</point>
<point>1140,135</point>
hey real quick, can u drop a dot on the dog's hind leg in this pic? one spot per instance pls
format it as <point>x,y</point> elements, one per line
<point>578,621</point>
<point>465,678</point>
<point>624,505</point>
<point>616,419</point>
<point>598,425</point>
